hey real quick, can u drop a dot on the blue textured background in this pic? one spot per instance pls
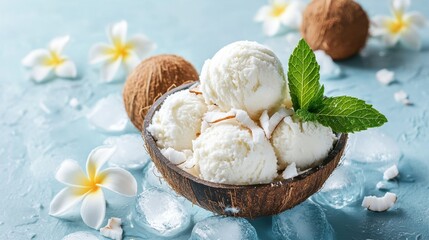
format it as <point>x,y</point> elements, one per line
<point>33,143</point>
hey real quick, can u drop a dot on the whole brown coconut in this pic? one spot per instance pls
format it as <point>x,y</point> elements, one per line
<point>152,78</point>
<point>338,27</point>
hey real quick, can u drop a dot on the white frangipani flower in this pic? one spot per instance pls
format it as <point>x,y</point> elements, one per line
<point>278,13</point>
<point>120,51</point>
<point>44,62</point>
<point>88,187</point>
<point>401,27</point>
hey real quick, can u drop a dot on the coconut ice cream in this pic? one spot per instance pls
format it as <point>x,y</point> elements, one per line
<point>244,75</point>
<point>227,153</point>
<point>302,143</point>
<point>178,121</point>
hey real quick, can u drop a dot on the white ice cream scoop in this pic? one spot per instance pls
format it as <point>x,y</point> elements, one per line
<point>244,75</point>
<point>178,121</point>
<point>302,143</point>
<point>227,153</point>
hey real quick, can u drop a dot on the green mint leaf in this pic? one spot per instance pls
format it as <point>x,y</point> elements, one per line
<point>348,114</point>
<point>305,115</point>
<point>318,100</point>
<point>303,78</point>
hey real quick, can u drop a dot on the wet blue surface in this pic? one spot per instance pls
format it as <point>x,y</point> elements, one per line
<point>34,141</point>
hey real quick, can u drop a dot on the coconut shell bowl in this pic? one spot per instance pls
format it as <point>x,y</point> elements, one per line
<point>248,201</point>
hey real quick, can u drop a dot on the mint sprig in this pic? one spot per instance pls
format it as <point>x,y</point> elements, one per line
<point>343,114</point>
<point>305,89</point>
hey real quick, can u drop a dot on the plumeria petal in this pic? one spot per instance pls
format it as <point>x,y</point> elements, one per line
<point>131,62</point>
<point>141,45</point>
<point>41,73</point>
<point>70,173</point>
<point>66,70</point>
<point>262,13</point>
<point>415,18</point>
<point>292,16</point>
<point>390,40</point>
<point>279,2</point>
<point>380,21</point>
<point>118,32</point>
<point>97,158</point>
<point>400,5</point>
<point>93,209</point>
<point>410,38</point>
<point>65,200</point>
<point>378,26</point>
<point>375,31</point>
<point>109,70</point>
<point>271,27</point>
<point>99,53</point>
<point>119,181</point>
<point>57,44</point>
<point>35,57</point>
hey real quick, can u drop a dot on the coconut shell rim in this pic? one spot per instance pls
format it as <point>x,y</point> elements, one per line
<point>151,143</point>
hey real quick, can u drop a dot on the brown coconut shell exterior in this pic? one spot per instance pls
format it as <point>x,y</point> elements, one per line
<point>251,201</point>
<point>338,27</point>
<point>151,79</point>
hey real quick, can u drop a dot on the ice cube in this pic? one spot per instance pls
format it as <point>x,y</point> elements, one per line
<point>328,68</point>
<point>54,101</point>
<point>130,152</point>
<point>305,221</point>
<point>196,211</point>
<point>342,188</point>
<point>228,228</point>
<point>160,213</point>
<point>109,115</point>
<point>81,235</point>
<point>152,178</point>
<point>373,147</point>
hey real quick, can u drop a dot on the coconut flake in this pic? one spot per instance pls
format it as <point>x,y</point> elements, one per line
<point>74,103</point>
<point>379,204</point>
<point>204,126</point>
<point>176,157</point>
<point>277,118</point>
<point>215,117</point>
<point>391,172</point>
<point>290,171</point>
<point>257,132</point>
<point>269,124</point>
<point>231,210</point>
<point>190,166</point>
<point>113,229</point>
<point>264,120</point>
<point>381,185</point>
<point>385,76</point>
<point>402,97</point>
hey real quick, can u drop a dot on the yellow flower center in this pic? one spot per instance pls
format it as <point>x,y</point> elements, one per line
<point>119,50</point>
<point>93,185</point>
<point>278,9</point>
<point>54,60</point>
<point>398,24</point>
<point>90,183</point>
